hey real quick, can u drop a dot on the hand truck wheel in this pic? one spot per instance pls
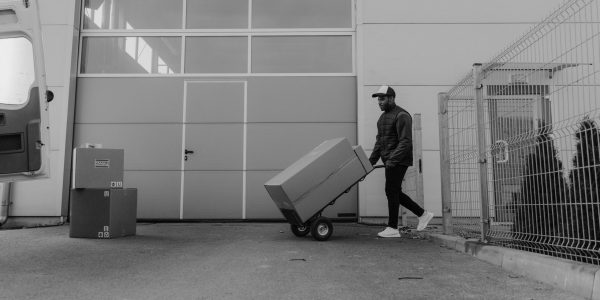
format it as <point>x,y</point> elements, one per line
<point>321,229</point>
<point>300,230</point>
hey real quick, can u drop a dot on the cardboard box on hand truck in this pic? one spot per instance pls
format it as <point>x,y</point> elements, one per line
<point>319,177</point>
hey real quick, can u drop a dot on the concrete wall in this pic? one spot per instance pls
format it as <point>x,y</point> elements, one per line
<point>47,197</point>
<point>422,48</point>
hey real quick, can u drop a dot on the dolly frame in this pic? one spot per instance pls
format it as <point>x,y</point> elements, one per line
<point>320,227</point>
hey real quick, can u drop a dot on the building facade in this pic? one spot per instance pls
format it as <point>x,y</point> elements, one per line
<point>211,98</point>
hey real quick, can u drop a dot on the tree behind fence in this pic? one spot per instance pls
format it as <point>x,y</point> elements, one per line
<point>583,227</point>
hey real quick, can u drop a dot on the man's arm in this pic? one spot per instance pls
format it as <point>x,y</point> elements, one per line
<point>376,154</point>
<point>404,131</point>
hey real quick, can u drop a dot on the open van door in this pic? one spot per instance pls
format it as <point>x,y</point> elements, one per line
<point>24,98</point>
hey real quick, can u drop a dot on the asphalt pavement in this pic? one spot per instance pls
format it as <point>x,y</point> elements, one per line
<point>249,261</point>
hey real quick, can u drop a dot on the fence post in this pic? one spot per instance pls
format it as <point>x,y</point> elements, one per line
<point>483,168</point>
<point>445,162</point>
<point>418,144</point>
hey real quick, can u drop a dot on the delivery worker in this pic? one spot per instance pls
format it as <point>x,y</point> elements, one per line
<point>393,145</point>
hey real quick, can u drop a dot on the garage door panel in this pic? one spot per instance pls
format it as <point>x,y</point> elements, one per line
<point>302,99</point>
<point>158,193</point>
<point>215,146</point>
<point>275,146</point>
<point>128,100</point>
<point>259,204</point>
<point>215,101</point>
<point>147,146</point>
<point>212,195</point>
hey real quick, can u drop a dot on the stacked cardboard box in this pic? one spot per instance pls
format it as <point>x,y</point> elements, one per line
<point>319,177</point>
<point>97,168</point>
<point>103,213</point>
<point>100,206</point>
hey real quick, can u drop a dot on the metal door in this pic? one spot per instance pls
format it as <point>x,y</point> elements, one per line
<point>513,128</point>
<point>213,183</point>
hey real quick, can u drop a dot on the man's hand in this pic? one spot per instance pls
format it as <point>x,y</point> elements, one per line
<point>389,164</point>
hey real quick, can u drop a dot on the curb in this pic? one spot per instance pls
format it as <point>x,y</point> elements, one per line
<point>578,278</point>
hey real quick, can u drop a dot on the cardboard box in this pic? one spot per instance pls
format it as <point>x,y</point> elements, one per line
<point>312,182</point>
<point>97,168</point>
<point>103,213</point>
<point>364,160</point>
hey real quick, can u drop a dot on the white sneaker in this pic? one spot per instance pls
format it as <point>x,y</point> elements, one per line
<point>389,232</point>
<point>424,220</point>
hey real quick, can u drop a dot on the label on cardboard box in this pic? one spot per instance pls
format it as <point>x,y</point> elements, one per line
<point>116,184</point>
<point>102,163</point>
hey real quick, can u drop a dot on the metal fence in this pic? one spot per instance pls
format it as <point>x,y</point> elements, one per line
<point>520,141</point>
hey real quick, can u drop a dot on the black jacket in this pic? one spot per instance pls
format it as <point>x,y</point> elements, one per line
<point>394,138</point>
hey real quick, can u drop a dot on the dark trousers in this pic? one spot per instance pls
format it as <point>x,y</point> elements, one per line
<point>395,196</point>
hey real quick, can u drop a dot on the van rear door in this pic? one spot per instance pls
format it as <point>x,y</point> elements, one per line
<point>24,98</point>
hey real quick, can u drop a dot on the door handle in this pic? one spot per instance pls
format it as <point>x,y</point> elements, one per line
<point>188,152</point>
